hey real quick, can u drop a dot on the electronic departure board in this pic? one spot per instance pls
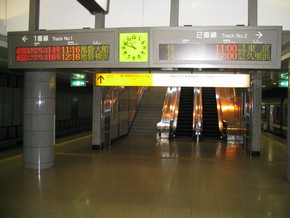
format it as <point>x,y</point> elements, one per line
<point>64,49</point>
<point>215,52</point>
<point>63,53</point>
<point>216,47</point>
<point>238,47</point>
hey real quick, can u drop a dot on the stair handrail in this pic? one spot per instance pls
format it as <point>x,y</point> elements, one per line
<point>223,125</point>
<point>197,125</point>
<point>167,126</point>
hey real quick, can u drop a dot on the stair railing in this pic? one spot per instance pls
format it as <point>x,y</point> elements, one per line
<point>167,126</point>
<point>223,125</point>
<point>197,125</point>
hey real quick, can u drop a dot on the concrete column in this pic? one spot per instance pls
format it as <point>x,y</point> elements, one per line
<point>98,117</point>
<point>255,122</point>
<point>288,132</point>
<point>98,120</point>
<point>39,120</point>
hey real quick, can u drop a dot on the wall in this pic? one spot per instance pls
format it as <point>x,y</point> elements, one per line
<point>213,12</point>
<point>3,17</point>
<point>17,15</point>
<point>274,12</point>
<point>69,14</point>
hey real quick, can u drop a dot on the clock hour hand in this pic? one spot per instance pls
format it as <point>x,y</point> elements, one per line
<point>130,45</point>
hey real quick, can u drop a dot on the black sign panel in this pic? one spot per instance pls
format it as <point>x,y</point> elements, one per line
<point>63,49</point>
<point>216,47</point>
<point>155,47</point>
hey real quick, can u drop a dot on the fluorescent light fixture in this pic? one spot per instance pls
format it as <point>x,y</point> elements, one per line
<point>95,6</point>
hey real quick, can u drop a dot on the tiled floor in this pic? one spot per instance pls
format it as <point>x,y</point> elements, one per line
<point>142,177</point>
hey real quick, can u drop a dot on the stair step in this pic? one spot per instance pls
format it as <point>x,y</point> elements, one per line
<point>149,112</point>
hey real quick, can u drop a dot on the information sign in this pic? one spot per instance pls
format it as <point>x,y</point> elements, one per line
<point>216,47</point>
<point>245,47</point>
<point>63,49</point>
<point>173,79</point>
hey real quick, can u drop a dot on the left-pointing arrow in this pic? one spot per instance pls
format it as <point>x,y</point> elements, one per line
<point>24,38</point>
<point>101,78</point>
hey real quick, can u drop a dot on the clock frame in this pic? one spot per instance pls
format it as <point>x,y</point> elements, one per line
<point>133,47</point>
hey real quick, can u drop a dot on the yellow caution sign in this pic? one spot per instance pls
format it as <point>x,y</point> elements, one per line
<point>124,79</point>
<point>173,80</point>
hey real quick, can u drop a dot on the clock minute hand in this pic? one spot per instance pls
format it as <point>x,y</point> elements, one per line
<point>130,45</point>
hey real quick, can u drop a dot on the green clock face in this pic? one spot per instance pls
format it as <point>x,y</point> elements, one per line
<point>133,47</point>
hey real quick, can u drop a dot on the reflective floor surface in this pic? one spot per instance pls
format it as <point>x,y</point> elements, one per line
<point>142,177</point>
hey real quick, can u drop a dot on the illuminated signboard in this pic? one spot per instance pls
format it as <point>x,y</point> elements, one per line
<point>215,52</point>
<point>63,49</point>
<point>216,47</point>
<point>63,53</point>
<point>245,47</point>
<point>173,79</point>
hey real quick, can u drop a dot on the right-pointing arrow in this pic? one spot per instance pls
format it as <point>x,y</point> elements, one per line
<point>259,35</point>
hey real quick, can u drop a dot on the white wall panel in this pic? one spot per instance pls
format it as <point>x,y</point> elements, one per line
<point>17,15</point>
<point>3,16</point>
<point>69,14</point>
<point>213,12</point>
<point>64,14</point>
<point>274,12</point>
<point>125,13</point>
<point>134,13</point>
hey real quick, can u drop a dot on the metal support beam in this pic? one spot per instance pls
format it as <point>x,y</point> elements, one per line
<point>174,12</point>
<point>252,12</point>
<point>34,15</point>
<point>288,132</point>
<point>100,20</point>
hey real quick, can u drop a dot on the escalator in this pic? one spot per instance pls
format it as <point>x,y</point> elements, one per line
<point>185,116</point>
<point>210,114</point>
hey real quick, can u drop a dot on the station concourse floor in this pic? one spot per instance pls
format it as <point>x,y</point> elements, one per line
<point>144,177</point>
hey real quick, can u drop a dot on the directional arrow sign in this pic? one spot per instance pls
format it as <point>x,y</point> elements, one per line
<point>259,35</point>
<point>175,80</point>
<point>100,79</point>
<point>24,38</point>
<point>124,79</point>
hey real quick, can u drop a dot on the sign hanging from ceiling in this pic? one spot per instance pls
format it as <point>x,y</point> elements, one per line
<point>174,80</point>
<point>238,47</point>
<point>216,47</point>
<point>63,49</point>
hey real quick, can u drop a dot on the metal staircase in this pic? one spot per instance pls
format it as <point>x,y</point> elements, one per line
<point>149,112</point>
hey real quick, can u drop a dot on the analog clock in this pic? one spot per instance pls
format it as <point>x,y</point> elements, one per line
<point>133,47</point>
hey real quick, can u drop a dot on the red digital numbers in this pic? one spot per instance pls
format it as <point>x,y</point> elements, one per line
<point>243,52</point>
<point>63,53</point>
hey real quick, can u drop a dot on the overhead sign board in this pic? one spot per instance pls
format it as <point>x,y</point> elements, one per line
<point>216,47</point>
<point>238,47</point>
<point>174,80</point>
<point>63,49</point>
